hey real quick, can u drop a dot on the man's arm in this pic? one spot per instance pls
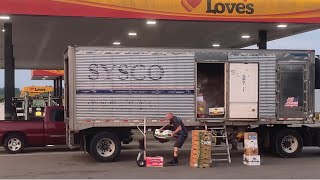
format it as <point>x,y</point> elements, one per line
<point>176,131</point>
<point>161,129</point>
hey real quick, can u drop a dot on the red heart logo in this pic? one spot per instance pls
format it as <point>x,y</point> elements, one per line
<point>190,5</point>
<point>245,0</point>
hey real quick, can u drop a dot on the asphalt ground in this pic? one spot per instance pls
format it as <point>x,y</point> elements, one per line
<point>62,163</point>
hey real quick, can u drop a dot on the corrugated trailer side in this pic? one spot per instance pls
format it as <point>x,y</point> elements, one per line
<point>111,90</point>
<point>122,87</point>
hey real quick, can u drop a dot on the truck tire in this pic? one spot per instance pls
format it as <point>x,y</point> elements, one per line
<point>14,144</point>
<point>288,143</point>
<point>105,147</point>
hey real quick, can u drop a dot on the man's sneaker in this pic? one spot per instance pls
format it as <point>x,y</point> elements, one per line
<point>172,163</point>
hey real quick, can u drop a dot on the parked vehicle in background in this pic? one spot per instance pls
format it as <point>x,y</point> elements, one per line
<point>108,91</point>
<point>15,135</point>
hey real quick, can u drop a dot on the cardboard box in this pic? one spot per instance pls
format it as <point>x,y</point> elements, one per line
<point>250,136</point>
<point>251,151</point>
<point>202,142</point>
<point>252,160</point>
<point>200,98</point>
<point>199,94</point>
<point>154,161</point>
<point>201,107</point>
<point>216,111</point>
<point>201,155</point>
<point>202,137</point>
<point>204,165</point>
<point>200,160</point>
<point>204,148</point>
<point>250,140</point>
<point>196,133</point>
<point>250,144</point>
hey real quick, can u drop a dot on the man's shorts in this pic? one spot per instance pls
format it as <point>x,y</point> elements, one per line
<point>180,141</point>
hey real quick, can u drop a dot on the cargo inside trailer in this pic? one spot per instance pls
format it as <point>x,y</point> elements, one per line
<point>210,90</point>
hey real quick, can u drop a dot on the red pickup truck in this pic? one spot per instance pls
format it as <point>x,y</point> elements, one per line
<point>50,130</point>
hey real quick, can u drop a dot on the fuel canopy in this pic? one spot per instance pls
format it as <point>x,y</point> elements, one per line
<point>42,29</point>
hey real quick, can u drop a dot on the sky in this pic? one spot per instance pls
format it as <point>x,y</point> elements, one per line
<point>305,41</point>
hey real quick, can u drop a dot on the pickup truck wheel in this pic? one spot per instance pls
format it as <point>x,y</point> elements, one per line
<point>288,143</point>
<point>14,144</point>
<point>105,147</point>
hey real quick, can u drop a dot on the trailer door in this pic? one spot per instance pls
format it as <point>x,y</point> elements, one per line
<point>292,88</point>
<point>243,91</point>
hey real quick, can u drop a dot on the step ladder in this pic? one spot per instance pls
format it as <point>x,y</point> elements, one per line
<point>222,154</point>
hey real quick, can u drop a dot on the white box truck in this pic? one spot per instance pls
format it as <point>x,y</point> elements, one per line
<point>108,91</point>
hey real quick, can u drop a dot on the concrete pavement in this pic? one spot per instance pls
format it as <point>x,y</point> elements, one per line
<point>54,163</point>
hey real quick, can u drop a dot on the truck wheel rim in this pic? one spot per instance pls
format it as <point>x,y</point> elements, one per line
<point>289,144</point>
<point>14,144</point>
<point>106,147</point>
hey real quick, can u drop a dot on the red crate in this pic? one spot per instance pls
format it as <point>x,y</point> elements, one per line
<point>154,161</point>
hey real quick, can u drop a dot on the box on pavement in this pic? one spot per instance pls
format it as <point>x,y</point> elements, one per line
<point>201,139</point>
<point>203,165</point>
<point>251,155</point>
<point>252,160</point>
<point>196,155</point>
<point>154,161</point>
<point>251,143</point>
<point>251,151</point>
<point>200,156</point>
<point>203,159</point>
<point>204,134</point>
<point>251,136</point>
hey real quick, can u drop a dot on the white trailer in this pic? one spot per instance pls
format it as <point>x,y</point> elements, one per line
<point>108,91</point>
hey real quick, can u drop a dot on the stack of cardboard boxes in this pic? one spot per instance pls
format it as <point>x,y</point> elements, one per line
<point>201,106</point>
<point>201,149</point>
<point>251,155</point>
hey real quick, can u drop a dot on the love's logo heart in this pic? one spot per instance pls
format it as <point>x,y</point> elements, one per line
<point>190,5</point>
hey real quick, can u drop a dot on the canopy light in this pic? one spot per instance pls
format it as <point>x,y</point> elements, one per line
<point>282,26</point>
<point>151,22</point>
<point>215,45</point>
<point>4,17</point>
<point>245,37</point>
<point>132,34</point>
<point>116,43</point>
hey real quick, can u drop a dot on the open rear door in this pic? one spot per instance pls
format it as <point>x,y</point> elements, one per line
<point>243,91</point>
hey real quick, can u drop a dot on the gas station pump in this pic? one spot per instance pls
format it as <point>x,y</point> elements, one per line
<point>33,101</point>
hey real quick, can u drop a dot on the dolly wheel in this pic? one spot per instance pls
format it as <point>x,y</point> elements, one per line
<point>141,163</point>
